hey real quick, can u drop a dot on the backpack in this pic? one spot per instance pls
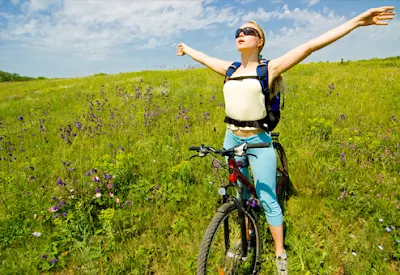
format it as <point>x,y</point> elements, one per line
<point>272,106</point>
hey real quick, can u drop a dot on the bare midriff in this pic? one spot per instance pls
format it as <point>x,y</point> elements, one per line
<point>247,133</point>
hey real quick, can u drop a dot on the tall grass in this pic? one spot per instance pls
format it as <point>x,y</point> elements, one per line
<point>99,166</point>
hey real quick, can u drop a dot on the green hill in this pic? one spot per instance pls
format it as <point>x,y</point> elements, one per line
<point>99,166</point>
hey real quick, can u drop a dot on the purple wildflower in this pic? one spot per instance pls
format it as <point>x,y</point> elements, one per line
<point>53,261</point>
<point>44,256</point>
<point>64,214</point>
<point>55,216</point>
<point>87,174</point>
<point>59,182</point>
<point>21,118</point>
<point>342,195</point>
<point>53,209</point>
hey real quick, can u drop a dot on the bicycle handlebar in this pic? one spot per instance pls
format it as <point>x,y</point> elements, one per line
<point>237,150</point>
<point>259,145</point>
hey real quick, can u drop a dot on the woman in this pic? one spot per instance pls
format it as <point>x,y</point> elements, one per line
<point>244,101</point>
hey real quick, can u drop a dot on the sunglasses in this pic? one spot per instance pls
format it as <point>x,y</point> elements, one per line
<point>247,31</point>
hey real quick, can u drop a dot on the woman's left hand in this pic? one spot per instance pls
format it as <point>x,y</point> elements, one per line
<point>374,16</point>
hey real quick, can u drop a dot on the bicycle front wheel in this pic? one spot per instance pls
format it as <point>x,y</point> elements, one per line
<point>221,249</point>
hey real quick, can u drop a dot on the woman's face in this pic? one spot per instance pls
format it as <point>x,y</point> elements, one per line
<point>248,38</point>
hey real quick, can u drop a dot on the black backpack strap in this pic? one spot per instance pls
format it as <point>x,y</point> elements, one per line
<point>232,68</point>
<point>262,72</point>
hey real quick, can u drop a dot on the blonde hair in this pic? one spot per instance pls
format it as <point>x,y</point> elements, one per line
<point>278,85</point>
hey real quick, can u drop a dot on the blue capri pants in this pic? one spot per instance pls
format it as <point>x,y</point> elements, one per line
<point>264,172</point>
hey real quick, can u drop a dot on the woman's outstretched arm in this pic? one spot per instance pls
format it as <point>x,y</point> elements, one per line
<point>217,65</point>
<point>370,17</point>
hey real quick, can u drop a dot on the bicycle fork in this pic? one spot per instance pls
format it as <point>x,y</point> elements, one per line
<point>243,233</point>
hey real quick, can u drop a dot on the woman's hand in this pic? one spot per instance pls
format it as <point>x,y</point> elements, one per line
<point>374,16</point>
<point>181,49</point>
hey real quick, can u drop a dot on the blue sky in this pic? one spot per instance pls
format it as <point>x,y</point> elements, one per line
<point>73,38</point>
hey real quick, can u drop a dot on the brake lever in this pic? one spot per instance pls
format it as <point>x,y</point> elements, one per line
<point>200,155</point>
<point>193,156</point>
<point>252,155</point>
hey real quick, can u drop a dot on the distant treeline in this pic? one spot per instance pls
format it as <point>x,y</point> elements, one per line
<point>4,76</point>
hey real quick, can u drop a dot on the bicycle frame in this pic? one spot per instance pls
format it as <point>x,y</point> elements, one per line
<point>234,176</point>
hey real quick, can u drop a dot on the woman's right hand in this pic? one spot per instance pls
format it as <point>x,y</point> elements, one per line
<point>181,49</point>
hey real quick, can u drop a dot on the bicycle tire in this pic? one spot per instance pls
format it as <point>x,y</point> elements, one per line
<point>284,187</point>
<point>225,211</point>
<point>282,173</point>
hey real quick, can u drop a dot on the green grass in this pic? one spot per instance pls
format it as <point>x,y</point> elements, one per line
<point>133,126</point>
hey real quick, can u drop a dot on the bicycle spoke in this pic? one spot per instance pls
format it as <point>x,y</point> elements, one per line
<point>225,255</point>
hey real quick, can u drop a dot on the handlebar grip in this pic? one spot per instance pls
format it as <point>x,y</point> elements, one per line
<point>259,145</point>
<point>194,148</point>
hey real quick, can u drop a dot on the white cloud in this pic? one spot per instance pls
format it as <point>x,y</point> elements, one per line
<point>327,10</point>
<point>38,5</point>
<point>244,1</point>
<point>298,15</point>
<point>96,28</point>
<point>306,25</point>
<point>311,2</point>
<point>152,43</point>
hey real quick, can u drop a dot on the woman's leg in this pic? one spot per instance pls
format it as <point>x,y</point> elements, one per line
<point>264,172</point>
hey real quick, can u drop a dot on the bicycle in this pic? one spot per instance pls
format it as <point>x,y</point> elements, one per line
<point>235,247</point>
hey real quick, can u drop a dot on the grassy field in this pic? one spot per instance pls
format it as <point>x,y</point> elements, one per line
<point>95,176</point>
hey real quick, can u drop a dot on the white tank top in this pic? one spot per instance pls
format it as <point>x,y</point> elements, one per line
<point>244,100</point>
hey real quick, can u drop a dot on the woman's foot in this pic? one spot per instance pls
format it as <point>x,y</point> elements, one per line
<point>282,264</point>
